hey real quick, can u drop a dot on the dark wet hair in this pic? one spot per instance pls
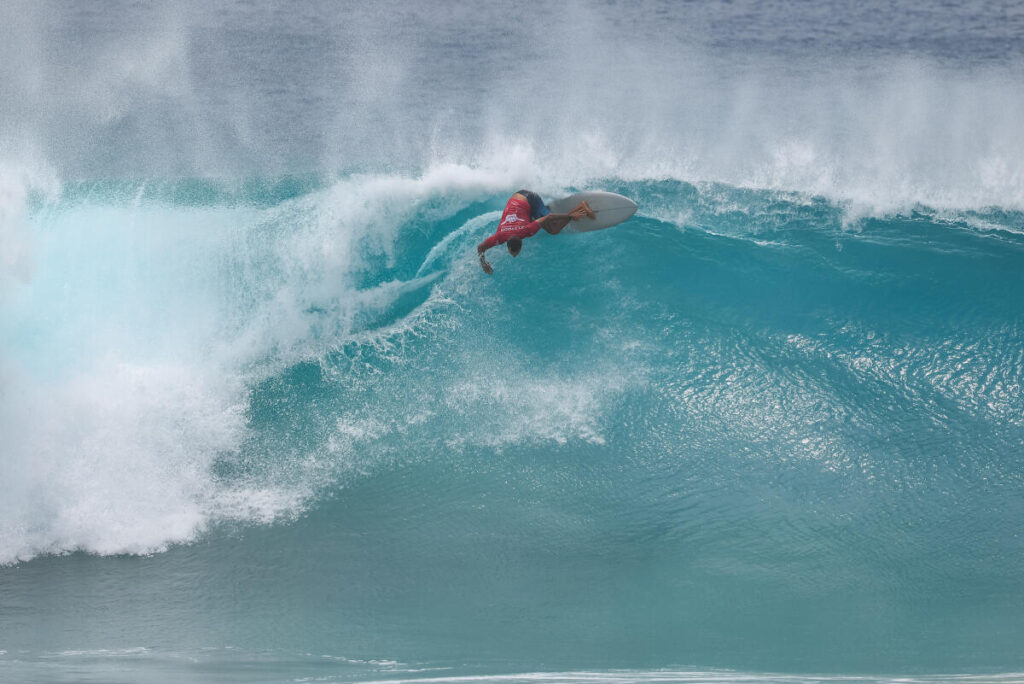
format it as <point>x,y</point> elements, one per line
<point>514,245</point>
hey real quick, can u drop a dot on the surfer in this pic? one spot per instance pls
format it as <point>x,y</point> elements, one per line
<point>524,215</point>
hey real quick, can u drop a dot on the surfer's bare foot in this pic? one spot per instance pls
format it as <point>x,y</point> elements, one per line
<point>582,210</point>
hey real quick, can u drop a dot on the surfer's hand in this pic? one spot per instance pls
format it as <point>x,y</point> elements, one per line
<point>486,266</point>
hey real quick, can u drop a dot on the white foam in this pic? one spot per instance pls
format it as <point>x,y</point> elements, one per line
<point>877,130</point>
<point>129,354</point>
<point>675,676</point>
<point>16,182</point>
<point>112,459</point>
<point>880,135</point>
<point>506,404</point>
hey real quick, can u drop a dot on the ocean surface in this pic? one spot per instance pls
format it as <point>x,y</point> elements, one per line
<point>264,419</point>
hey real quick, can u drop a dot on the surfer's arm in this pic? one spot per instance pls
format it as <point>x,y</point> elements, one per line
<point>483,247</point>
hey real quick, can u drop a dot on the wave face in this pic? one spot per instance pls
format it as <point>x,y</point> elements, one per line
<point>259,404</point>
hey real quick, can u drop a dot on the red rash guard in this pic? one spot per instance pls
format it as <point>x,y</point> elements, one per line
<point>515,223</point>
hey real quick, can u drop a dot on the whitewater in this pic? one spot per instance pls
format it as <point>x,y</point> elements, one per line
<point>263,418</point>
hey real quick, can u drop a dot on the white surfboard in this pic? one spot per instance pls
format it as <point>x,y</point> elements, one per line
<point>611,210</point>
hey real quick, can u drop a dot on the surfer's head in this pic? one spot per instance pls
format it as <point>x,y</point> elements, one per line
<point>514,245</point>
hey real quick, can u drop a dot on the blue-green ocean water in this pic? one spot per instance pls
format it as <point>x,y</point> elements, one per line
<point>263,418</point>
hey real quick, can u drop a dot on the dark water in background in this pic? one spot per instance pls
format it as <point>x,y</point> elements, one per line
<point>263,418</point>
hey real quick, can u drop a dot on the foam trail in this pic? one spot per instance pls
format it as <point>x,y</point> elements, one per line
<point>472,227</point>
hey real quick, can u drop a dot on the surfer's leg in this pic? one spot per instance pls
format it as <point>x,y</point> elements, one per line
<point>555,224</point>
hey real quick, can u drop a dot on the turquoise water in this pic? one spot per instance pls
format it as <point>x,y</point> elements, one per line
<point>264,419</point>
